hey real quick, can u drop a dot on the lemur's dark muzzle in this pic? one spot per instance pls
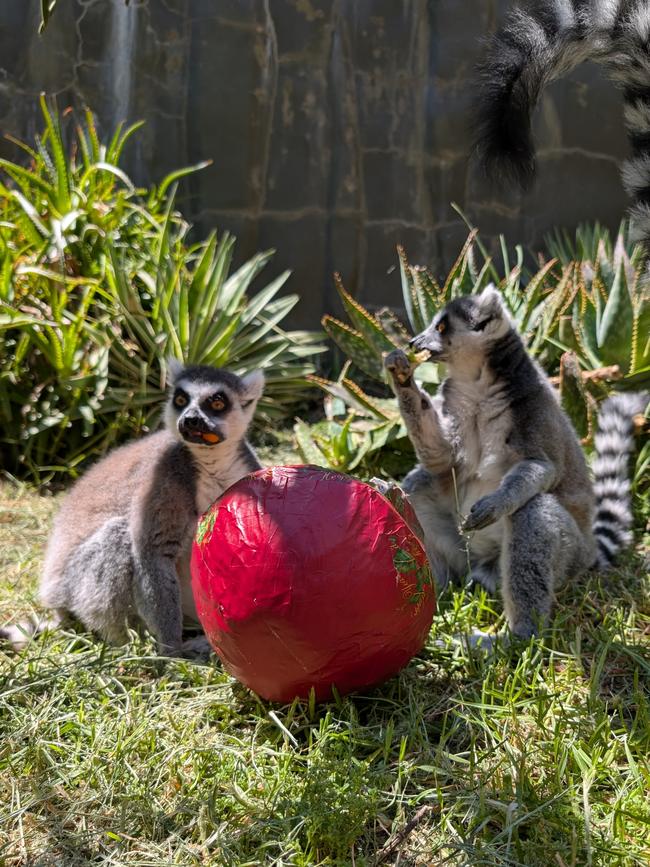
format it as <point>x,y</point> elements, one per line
<point>196,429</point>
<point>426,342</point>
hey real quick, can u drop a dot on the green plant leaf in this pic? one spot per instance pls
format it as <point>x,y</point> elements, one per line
<point>175,176</point>
<point>354,346</point>
<point>309,451</point>
<point>572,394</point>
<point>63,185</point>
<point>614,334</point>
<point>364,322</point>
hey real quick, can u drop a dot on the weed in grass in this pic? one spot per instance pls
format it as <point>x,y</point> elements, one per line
<point>535,756</point>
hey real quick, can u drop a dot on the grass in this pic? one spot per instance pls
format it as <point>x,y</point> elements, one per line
<point>536,756</point>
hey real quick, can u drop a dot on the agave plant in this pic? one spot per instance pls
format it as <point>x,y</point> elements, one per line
<point>576,400</point>
<point>587,320</point>
<point>606,321</point>
<point>364,429</point>
<point>369,336</point>
<point>589,241</point>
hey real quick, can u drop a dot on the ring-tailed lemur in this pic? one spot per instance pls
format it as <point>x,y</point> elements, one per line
<point>544,40</point>
<point>495,446</point>
<point>121,541</point>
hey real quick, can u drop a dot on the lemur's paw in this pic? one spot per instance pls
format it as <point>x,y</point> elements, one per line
<point>398,365</point>
<point>486,576</point>
<point>483,513</point>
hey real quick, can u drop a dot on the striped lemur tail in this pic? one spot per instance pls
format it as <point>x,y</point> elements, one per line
<point>543,41</point>
<point>614,441</point>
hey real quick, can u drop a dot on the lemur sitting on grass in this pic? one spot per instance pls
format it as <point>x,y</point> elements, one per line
<point>501,464</point>
<point>120,546</point>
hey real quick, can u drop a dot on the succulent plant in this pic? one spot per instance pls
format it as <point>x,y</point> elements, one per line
<point>369,335</point>
<point>606,321</point>
<point>584,313</point>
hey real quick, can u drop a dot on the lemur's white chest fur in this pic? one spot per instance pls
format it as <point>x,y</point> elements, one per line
<point>479,422</point>
<point>217,468</point>
<point>216,471</point>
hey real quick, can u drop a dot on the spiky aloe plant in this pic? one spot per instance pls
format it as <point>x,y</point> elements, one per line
<point>596,314</point>
<point>606,321</point>
<point>359,434</point>
<point>370,335</point>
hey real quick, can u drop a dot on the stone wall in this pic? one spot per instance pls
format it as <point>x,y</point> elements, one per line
<point>337,129</point>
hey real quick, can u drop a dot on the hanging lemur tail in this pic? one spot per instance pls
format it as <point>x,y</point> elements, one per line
<point>630,69</point>
<point>534,46</point>
<point>614,441</point>
<point>545,41</point>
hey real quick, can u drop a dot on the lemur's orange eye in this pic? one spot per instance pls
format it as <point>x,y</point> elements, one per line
<point>180,400</point>
<point>441,327</point>
<point>217,403</point>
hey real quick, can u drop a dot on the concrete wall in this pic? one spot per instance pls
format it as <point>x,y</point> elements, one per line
<point>337,129</point>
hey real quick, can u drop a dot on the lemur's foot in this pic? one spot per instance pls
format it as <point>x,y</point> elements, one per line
<point>197,648</point>
<point>398,365</point>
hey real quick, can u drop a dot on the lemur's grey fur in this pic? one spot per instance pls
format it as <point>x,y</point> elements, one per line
<point>495,446</point>
<point>543,40</point>
<point>120,545</point>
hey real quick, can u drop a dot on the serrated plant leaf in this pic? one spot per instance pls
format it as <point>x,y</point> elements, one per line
<point>309,451</point>
<point>353,345</point>
<point>413,313</point>
<point>364,322</point>
<point>614,336</point>
<point>393,327</point>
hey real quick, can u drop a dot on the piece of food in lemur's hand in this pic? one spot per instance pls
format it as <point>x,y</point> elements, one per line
<point>121,541</point>
<point>500,461</point>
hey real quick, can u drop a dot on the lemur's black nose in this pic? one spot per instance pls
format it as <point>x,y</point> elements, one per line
<point>192,421</point>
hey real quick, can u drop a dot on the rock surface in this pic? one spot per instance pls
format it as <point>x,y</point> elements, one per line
<point>337,129</point>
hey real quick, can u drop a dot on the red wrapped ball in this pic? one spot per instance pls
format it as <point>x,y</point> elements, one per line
<point>305,578</point>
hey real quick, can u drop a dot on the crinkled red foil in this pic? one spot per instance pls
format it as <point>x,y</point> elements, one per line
<point>304,578</point>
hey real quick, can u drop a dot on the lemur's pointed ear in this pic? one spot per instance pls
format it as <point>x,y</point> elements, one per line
<point>491,302</point>
<point>174,368</point>
<point>253,387</point>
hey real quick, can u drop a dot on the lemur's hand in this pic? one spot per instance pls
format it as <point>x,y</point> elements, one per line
<point>484,512</point>
<point>399,367</point>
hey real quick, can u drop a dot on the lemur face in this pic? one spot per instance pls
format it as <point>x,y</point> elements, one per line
<point>465,326</point>
<point>209,406</point>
